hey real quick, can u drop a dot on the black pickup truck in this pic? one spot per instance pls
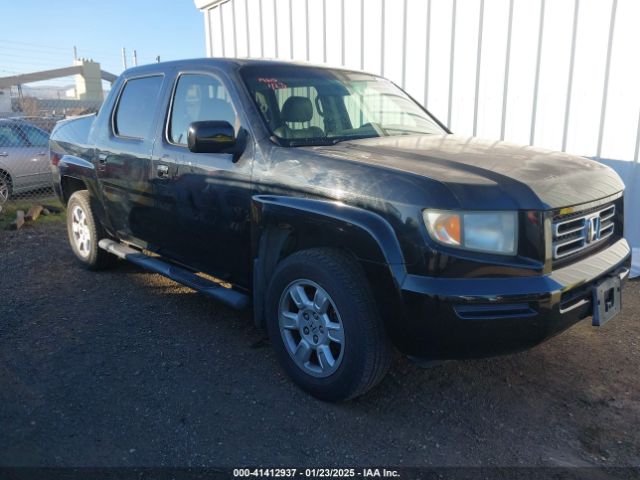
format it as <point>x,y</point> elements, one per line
<point>351,220</point>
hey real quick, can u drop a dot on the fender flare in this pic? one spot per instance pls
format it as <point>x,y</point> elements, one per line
<point>81,170</point>
<point>370,237</point>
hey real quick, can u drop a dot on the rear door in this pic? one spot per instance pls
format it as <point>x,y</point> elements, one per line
<point>124,158</point>
<point>38,153</point>
<point>16,161</point>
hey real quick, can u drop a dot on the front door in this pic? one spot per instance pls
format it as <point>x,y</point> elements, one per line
<point>206,197</point>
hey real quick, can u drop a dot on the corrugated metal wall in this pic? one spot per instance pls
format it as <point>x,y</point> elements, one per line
<point>561,74</point>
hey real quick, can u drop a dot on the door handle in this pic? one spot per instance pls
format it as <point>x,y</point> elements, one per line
<point>163,171</point>
<point>42,154</point>
<point>4,154</point>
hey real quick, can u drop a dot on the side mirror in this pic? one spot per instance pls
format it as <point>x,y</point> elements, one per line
<point>211,136</point>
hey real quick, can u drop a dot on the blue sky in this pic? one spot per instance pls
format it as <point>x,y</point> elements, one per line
<point>40,34</point>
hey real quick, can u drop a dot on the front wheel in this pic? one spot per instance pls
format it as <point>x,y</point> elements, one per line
<point>324,325</point>
<point>85,232</point>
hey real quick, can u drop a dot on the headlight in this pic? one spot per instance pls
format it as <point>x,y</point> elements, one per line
<point>491,232</point>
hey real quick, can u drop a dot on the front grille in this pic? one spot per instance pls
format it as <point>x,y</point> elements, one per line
<point>575,232</point>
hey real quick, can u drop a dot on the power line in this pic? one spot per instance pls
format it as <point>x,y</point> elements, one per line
<point>31,45</point>
<point>41,63</point>
<point>37,63</point>
<point>68,59</point>
<point>50,47</point>
<point>9,71</point>
<point>21,52</point>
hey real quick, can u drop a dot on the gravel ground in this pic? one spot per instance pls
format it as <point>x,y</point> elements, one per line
<point>125,368</point>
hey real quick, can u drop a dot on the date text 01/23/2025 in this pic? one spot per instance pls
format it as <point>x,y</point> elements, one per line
<point>315,473</point>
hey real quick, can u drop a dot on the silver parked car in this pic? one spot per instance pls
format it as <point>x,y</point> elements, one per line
<point>24,158</point>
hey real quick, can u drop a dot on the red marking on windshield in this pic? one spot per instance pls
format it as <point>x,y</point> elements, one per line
<point>273,83</point>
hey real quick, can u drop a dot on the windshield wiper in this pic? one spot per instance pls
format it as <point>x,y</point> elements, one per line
<point>405,131</point>
<point>319,142</point>
<point>310,142</point>
<point>337,140</point>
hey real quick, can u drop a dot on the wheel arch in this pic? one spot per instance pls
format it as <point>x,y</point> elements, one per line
<point>284,225</point>
<point>73,173</point>
<point>69,185</point>
<point>6,175</point>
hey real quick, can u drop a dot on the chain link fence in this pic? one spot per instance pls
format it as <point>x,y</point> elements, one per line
<point>26,122</point>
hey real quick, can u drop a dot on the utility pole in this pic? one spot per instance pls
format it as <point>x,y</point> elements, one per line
<point>124,58</point>
<point>135,58</point>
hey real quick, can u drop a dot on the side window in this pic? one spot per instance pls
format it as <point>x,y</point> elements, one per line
<point>197,98</point>
<point>35,136</point>
<point>9,137</point>
<point>134,113</point>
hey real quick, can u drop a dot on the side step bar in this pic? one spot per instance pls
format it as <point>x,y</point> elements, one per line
<point>227,296</point>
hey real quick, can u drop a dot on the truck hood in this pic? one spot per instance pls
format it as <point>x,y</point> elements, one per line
<point>475,170</point>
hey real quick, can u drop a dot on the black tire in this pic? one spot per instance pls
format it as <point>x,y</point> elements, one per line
<point>6,187</point>
<point>367,351</point>
<point>89,254</point>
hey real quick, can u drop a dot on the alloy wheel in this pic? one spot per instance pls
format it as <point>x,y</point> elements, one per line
<point>311,328</point>
<point>81,232</point>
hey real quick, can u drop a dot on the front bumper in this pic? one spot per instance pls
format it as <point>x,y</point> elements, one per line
<point>447,318</point>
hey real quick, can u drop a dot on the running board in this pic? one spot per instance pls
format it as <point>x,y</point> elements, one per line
<point>181,275</point>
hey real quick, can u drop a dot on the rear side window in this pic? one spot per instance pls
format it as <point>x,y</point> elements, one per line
<point>136,107</point>
<point>9,137</point>
<point>36,137</point>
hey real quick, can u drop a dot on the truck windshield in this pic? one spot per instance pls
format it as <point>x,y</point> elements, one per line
<point>316,106</point>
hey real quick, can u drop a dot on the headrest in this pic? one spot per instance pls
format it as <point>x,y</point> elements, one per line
<point>297,109</point>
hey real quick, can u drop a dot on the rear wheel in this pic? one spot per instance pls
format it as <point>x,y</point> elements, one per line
<point>84,233</point>
<point>324,325</point>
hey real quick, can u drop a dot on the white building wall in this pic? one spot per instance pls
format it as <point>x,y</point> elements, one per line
<point>560,74</point>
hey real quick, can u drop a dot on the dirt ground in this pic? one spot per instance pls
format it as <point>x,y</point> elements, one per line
<point>125,368</point>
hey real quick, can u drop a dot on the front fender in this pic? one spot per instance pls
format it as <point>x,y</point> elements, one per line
<point>370,236</point>
<point>279,221</point>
